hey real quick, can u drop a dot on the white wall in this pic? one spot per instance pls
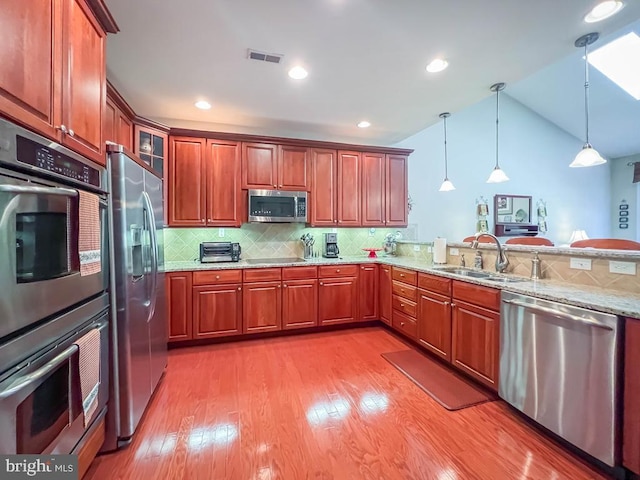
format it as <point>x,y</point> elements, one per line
<point>534,153</point>
<point>623,188</point>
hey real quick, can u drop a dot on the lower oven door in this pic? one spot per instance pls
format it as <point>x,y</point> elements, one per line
<point>41,408</point>
<point>53,251</point>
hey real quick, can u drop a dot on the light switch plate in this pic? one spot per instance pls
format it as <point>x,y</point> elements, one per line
<point>454,251</point>
<point>580,263</point>
<point>416,248</point>
<point>624,268</point>
<point>221,232</point>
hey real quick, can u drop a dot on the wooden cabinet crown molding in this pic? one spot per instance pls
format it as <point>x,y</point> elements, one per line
<point>103,15</point>
<point>242,137</point>
<point>119,101</point>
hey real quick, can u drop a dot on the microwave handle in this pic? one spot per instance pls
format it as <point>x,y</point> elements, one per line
<point>28,379</point>
<point>21,189</point>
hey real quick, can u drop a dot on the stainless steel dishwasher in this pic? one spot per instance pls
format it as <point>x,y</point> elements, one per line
<point>559,365</point>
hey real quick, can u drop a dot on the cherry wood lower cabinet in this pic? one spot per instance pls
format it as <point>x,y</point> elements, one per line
<point>368,287</point>
<point>631,415</point>
<point>299,303</point>
<point>217,310</point>
<point>179,305</point>
<point>434,323</point>
<point>262,307</point>
<point>338,300</point>
<point>385,294</point>
<point>475,342</point>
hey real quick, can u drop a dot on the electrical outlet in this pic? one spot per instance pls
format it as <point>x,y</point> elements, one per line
<point>221,232</point>
<point>624,268</point>
<point>334,230</point>
<point>580,263</point>
<point>454,251</point>
<point>416,248</point>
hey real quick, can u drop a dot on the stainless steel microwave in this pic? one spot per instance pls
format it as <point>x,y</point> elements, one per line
<point>277,206</point>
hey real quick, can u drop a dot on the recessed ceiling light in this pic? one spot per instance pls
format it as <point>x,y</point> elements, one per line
<point>619,60</point>
<point>437,65</point>
<point>364,124</point>
<point>203,105</point>
<point>603,10</point>
<point>298,73</point>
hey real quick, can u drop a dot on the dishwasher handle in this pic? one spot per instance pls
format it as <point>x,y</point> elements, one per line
<point>557,313</point>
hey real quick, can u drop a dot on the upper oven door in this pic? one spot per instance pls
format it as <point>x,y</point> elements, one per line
<point>52,250</point>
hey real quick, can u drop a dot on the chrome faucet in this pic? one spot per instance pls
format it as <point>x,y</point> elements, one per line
<point>502,262</point>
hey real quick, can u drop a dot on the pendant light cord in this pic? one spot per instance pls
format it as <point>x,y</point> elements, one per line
<point>586,92</point>
<point>497,123</point>
<point>446,173</point>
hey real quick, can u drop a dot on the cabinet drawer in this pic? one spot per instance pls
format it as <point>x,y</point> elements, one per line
<point>405,324</point>
<point>405,306</point>
<point>299,273</point>
<point>328,271</point>
<point>212,277</point>
<point>261,274</point>
<point>404,275</point>
<point>434,283</point>
<point>481,296</point>
<point>404,290</point>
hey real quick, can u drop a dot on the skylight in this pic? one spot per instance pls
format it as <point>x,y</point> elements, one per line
<point>619,60</point>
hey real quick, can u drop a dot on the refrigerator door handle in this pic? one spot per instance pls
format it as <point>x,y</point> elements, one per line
<point>153,296</point>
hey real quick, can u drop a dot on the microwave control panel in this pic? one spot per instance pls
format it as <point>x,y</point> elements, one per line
<point>302,208</point>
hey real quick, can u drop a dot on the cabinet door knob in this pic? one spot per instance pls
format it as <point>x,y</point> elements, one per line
<point>217,277</point>
<point>280,186</point>
<point>402,324</point>
<point>335,221</point>
<point>239,288</point>
<point>402,305</point>
<point>453,305</point>
<point>275,186</point>
<point>337,270</point>
<point>402,275</point>
<point>446,304</point>
<point>202,220</point>
<point>402,290</point>
<point>278,286</point>
<point>321,283</point>
<point>285,285</point>
<point>62,128</point>
<point>71,133</point>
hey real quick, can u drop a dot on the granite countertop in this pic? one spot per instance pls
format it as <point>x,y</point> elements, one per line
<point>609,301</point>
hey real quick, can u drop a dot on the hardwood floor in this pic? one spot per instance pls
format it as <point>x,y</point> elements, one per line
<point>322,406</point>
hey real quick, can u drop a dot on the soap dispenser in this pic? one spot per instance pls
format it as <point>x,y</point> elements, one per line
<point>535,267</point>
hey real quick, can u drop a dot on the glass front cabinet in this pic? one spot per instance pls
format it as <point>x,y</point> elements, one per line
<point>151,147</point>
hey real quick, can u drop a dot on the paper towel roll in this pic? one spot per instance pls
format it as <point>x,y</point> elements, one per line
<point>440,250</point>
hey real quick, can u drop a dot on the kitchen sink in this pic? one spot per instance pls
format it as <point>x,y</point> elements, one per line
<point>497,279</point>
<point>466,272</point>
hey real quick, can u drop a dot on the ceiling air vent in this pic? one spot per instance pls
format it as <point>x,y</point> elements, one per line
<point>264,57</point>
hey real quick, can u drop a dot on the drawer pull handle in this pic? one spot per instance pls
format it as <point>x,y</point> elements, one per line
<point>402,275</point>
<point>217,277</point>
<point>402,305</point>
<point>402,290</point>
<point>338,270</point>
<point>402,324</point>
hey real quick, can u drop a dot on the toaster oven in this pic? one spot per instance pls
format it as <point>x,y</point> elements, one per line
<point>211,252</point>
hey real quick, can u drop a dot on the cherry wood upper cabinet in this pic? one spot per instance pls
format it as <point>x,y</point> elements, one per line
<point>373,189</point>
<point>385,291</point>
<point>368,288</point>
<point>217,311</point>
<point>349,166</point>
<point>109,122</point>
<point>117,127</point>
<point>223,198</point>
<point>84,82</point>
<point>31,60</point>
<point>324,177</point>
<point>259,166</point>
<point>124,129</point>
<point>293,168</point>
<point>187,182</point>
<point>396,191</point>
<point>631,415</point>
<point>179,305</point>
<point>53,75</point>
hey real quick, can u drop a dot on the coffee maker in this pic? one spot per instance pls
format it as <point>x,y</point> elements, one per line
<point>330,249</point>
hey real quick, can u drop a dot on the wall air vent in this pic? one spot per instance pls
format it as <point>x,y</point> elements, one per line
<point>264,57</point>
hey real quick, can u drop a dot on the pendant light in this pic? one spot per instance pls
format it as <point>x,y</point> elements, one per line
<point>588,156</point>
<point>497,175</point>
<point>446,186</point>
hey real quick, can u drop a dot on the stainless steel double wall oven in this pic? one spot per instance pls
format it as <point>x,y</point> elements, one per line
<point>53,291</point>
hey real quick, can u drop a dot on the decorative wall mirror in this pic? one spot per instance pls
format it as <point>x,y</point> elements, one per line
<point>512,215</point>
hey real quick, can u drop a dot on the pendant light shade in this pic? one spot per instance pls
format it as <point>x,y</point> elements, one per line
<point>588,156</point>
<point>446,186</point>
<point>497,175</point>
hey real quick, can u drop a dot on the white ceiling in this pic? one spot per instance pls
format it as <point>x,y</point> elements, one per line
<point>366,60</point>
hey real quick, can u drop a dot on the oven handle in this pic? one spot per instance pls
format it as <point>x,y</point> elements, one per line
<point>28,379</point>
<point>153,297</point>
<point>20,189</point>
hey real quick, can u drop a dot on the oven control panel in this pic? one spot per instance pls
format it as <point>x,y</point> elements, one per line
<point>40,156</point>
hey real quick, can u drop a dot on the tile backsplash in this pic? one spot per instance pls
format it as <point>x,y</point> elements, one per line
<point>261,240</point>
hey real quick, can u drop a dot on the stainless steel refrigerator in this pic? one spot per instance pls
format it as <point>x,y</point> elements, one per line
<point>139,333</point>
